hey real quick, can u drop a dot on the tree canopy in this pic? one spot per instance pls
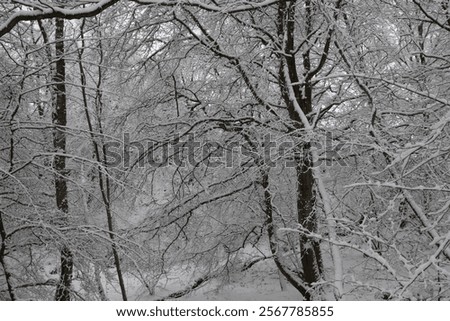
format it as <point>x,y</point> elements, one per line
<point>219,142</point>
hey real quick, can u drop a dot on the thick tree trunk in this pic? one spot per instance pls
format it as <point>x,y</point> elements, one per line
<point>309,248</point>
<point>59,165</point>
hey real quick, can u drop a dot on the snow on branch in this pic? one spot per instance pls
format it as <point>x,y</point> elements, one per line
<point>54,12</point>
<point>48,11</point>
<point>247,6</point>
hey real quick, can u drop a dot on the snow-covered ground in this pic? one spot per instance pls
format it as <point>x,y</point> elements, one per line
<point>259,283</point>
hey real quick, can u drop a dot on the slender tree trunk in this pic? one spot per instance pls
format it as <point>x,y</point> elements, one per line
<point>104,182</point>
<point>6,272</point>
<point>59,165</point>
<point>103,174</point>
<point>268,208</point>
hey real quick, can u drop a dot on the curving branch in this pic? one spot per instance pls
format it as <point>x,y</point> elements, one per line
<point>48,12</point>
<point>54,12</point>
<point>432,19</point>
<point>204,279</point>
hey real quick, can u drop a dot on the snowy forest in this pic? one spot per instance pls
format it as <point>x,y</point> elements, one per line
<point>224,150</point>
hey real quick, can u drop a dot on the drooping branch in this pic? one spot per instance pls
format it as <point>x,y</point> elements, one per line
<point>204,279</point>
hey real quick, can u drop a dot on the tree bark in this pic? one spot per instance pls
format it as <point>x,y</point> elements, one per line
<point>310,249</point>
<point>6,272</point>
<point>59,143</point>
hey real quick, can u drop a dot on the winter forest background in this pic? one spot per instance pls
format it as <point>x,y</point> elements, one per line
<point>224,149</point>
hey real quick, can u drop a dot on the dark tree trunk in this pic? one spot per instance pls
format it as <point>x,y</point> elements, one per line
<point>268,208</point>
<point>6,272</point>
<point>59,143</point>
<point>310,249</point>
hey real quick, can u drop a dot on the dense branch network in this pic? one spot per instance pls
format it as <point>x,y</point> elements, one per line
<point>48,10</point>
